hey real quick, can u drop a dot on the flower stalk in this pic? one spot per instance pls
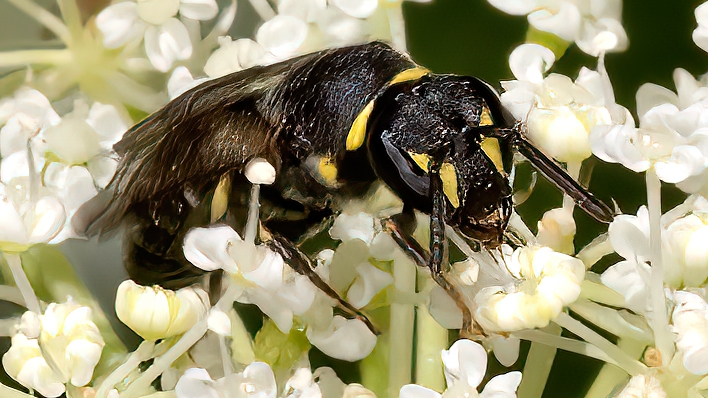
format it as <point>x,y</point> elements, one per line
<point>659,320</point>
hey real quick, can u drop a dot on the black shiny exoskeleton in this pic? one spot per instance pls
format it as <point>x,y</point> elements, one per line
<point>331,123</point>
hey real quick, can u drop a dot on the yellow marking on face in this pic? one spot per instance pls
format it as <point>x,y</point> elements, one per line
<point>490,146</point>
<point>327,170</point>
<point>485,119</point>
<point>357,133</point>
<point>421,159</point>
<point>409,75</point>
<point>448,175</point>
<point>220,200</point>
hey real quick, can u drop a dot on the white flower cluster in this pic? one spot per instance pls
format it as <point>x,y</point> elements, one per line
<point>560,114</point>
<point>51,165</point>
<point>594,25</point>
<point>60,347</point>
<point>257,379</point>
<point>671,137</point>
<point>258,275</point>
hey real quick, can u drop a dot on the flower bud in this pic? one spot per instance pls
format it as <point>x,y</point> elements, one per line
<point>547,282</point>
<point>157,313</point>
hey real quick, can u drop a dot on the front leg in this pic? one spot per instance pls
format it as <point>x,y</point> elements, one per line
<point>438,254</point>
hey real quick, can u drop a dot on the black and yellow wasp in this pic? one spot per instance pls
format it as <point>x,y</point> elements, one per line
<point>331,123</point>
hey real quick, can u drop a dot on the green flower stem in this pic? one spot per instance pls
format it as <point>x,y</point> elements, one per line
<point>142,353</point>
<point>241,341</point>
<point>611,376</point>
<point>263,9</point>
<point>431,339</point>
<point>401,329</point>
<point>142,383</point>
<point>34,57</point>
<point>624,361</point>
<point>7,392</point>
<point>44,17</point>
<point>609,319</point>
<point>660,320</point>
<point>599,293</point>
<point>563,343</point>
<point>595,250</point>
<point>253,219</point>
<point>12,295</point>
<point>538,366</point>
<point>397,24</point>
<point>72,16</point>
<point>23,284</point>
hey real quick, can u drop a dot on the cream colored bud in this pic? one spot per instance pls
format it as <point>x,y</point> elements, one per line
<point>157,313</point>
<point>24,362</point>
<point>259,171</point>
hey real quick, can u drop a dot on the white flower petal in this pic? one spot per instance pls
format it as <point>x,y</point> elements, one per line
<point>120,24</point>
<point>157,12</point>
<point>235,55</point>
<point>219,322</point>
<point>195,382</point>
<point>353,226</point>
<point>369,283</point>
<point>603,35</point>
<point>502,386</point>
<point>260,379</point>
<point>685,161</point>
<point>465,361</point>
<point>360,340</point>
<point>528,62</point>
<point>357,8</point>
<point>167,43</point>
<point>102,169</point>
<point>206,248</point>
<point>282,35</point>
<point>83,357</point>
<point>416,391</point>
<point>619,144</point>
<point>201,10</point>
<point>181,81</point>
<point>506,349</point>
<point>564,23</point>
<point>650,95</point>
<point>629,235</point>
<point>515,7</point>
<point>107,122</point>
<point>631,280</point>
<point>49,217</point>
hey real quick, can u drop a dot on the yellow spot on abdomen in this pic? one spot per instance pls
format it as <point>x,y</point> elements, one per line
<point>327,170</point>
<point>220,200</point>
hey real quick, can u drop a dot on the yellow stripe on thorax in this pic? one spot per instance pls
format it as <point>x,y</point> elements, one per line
<point>448,175</point>
<point>491,148</point>
<point>357,132</point>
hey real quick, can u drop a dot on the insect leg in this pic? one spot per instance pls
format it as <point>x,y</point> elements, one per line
<point>439,253</point>
<point>299,262</point>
